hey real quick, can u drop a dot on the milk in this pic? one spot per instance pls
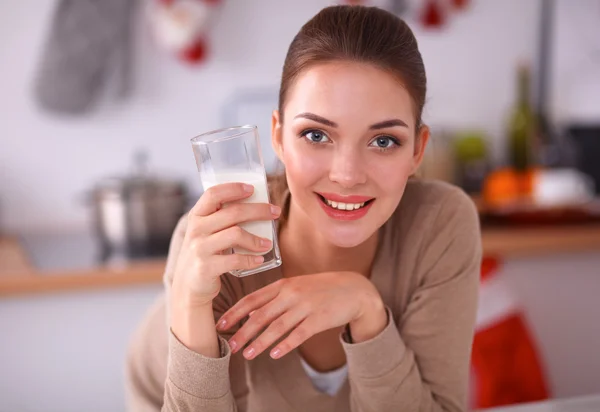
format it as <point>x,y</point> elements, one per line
<point>262,229</point>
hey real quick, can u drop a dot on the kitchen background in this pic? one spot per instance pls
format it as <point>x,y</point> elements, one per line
<point>63,350</point>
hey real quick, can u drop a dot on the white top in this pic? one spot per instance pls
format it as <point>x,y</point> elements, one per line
<point>326,382</point>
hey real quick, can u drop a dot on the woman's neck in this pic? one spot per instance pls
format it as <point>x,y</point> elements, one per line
<point>304,251</point>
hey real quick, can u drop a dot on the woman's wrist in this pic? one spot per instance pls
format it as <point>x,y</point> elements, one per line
<point>371,322</point>
<point>194,327</point>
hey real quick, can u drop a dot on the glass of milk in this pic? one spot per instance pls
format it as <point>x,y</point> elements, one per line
<point>233,155</point>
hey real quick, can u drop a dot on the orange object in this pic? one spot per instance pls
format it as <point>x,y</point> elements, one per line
<point>505,187</point>
<point>505,365</point>
<point>501,188</point>
<point>527,182</point>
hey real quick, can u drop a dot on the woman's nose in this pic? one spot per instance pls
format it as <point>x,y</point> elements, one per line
<point>347,168</point>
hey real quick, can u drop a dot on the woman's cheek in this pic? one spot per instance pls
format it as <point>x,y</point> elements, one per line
<point>391,173</point>
<point>305,165</point>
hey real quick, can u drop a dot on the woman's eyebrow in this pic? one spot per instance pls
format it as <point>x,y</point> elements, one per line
<point>316,118</point>
<point>379,125</point>
<point>388,123</point>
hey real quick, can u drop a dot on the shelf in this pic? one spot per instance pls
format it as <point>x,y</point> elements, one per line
<point>541,241</point>
<point>19,277</point>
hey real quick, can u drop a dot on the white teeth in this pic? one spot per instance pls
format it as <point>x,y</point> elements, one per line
<point>344,206</point>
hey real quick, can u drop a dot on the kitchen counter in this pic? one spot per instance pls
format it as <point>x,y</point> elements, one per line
<point>518,242</point>
<point>19,275</point>
<point>589,403</point>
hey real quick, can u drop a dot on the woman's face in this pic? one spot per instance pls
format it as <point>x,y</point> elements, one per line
<point>348,145</point>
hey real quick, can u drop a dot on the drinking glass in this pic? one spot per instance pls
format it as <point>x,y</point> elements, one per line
<point>233,155</point>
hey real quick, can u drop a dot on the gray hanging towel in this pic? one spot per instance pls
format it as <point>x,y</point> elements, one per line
<point>88,39</point>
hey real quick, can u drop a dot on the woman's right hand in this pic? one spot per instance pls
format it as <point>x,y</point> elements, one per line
<point>212,229</point>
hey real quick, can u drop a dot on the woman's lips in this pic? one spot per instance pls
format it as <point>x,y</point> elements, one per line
<point>346,214</point>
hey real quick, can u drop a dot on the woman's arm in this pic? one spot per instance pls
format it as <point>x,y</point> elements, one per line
<point>161,372</point>
<point>150,384</point>
<point>196,382</point>
<point>421,361</point>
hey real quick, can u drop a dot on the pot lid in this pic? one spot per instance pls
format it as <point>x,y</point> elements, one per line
<point>140,182</point>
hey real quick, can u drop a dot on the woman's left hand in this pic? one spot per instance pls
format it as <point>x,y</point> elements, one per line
<point>305,305</point>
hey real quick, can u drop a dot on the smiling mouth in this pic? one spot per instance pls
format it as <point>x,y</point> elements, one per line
<point>341,206</point>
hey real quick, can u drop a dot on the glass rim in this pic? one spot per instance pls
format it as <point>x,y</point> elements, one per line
<point>204,138</point>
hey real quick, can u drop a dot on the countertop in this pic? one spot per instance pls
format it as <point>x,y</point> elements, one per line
<point>20,274</point>
<point>589,403</point>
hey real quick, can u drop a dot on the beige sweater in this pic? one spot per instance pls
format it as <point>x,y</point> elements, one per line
<point>427,272</point>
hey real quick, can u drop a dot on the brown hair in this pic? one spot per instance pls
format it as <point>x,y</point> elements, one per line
<point>355,34</point>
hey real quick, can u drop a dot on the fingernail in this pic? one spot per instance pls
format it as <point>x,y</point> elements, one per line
<point>275,210</point>
<point>265,243</point>
<point>249,353</point>
<point>248,188</point>
<point>276,353</point>
<point>221,324</point>
<point>258,259</point>
<point>232,345</point>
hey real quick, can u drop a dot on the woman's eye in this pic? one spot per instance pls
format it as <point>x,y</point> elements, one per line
<point>384,142</point>
<point>315,136</point>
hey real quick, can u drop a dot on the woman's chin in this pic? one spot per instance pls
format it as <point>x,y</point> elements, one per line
<point>346,238</point>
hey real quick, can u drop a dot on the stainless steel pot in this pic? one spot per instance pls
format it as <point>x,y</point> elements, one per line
<point>136,215</point>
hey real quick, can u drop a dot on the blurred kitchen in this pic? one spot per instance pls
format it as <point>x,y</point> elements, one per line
<point>99,102</point>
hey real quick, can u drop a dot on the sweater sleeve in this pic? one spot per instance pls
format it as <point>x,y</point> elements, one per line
<point>163,373</point>
<point>196,382</point>
<point>420,361</point>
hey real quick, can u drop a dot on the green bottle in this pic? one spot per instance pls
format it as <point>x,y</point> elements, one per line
<point>521,126</point>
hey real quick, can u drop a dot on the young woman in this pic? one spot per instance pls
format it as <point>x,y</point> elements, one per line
<point>374,306</point>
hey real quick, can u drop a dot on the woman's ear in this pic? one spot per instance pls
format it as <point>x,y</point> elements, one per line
<point>421,140</point>
<point>277,134</point>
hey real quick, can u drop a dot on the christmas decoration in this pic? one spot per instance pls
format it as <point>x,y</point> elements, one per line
<point>181,27</point>
<point>505,364</point>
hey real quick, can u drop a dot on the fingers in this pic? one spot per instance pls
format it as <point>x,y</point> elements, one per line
<point>306,329</point>
<point>235,236</point>
<point>273,333</point>
<point>212,199</point>
<point>237,213</point>
<point>249,303</point>
<point>260,319</point>
<point>227,263</point>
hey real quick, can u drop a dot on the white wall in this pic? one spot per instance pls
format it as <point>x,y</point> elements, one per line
<point>576,61</point>
<point>46,162</point>
<point>65,352</point>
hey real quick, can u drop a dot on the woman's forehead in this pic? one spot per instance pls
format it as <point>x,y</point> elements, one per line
<point>344,91</point>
